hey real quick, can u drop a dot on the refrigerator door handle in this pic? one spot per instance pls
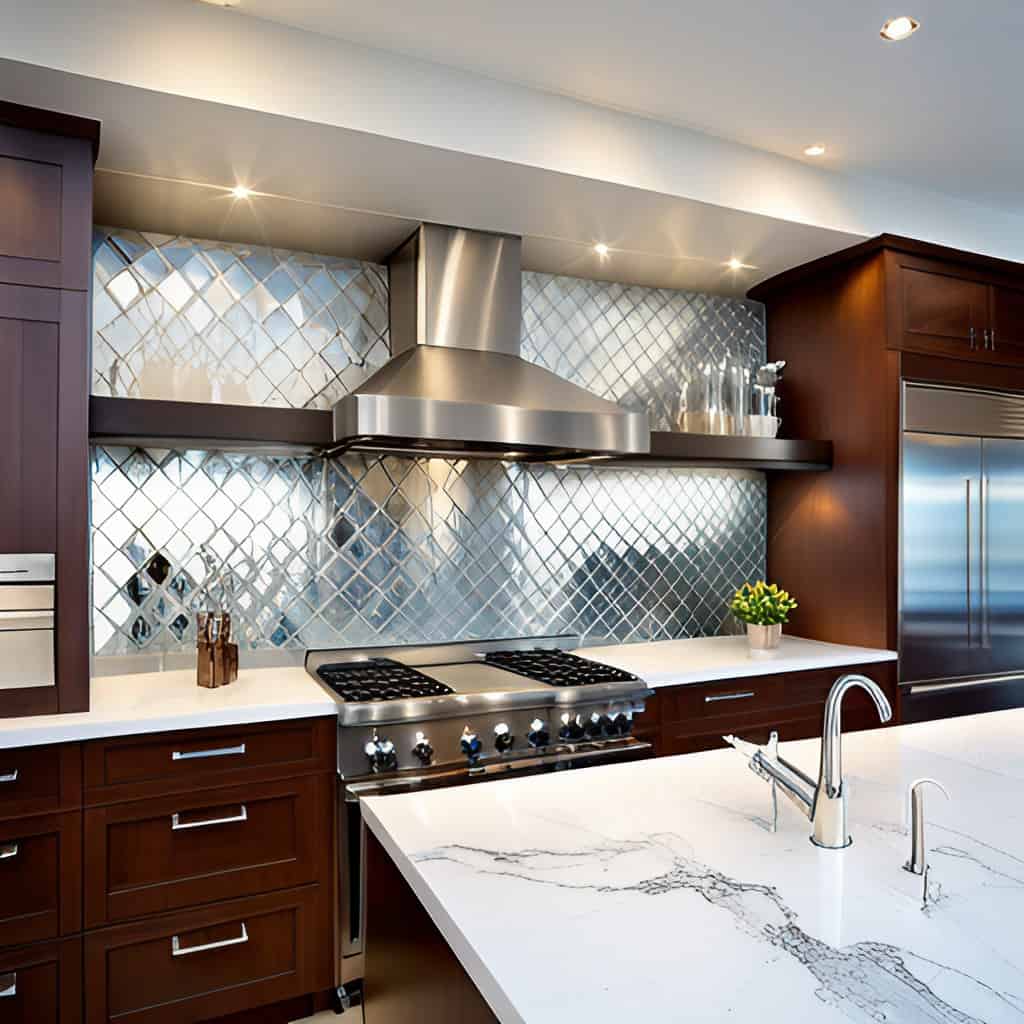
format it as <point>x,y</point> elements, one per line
<point>970,608</point>
<point>986,631</point>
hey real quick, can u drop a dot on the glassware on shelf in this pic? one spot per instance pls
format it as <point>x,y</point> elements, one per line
<point>714,397</point>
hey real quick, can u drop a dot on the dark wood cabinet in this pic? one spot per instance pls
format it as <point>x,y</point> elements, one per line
<point>1006,324</point>
<point>685,719</point>
<point>46,162</point>
<point>40,780</point>
<point>853,327</point>
<point>43,983</point>
<point>183,851</point>
<point>942,312</point>
<point>40,878</point>
<point>228,847</point>
<point>191,967</point>
<point>131,767</point>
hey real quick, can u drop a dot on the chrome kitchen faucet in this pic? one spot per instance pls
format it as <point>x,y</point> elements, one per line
<point>822,802</point>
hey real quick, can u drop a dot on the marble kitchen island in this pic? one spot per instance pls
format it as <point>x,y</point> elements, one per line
<point>654,891</point>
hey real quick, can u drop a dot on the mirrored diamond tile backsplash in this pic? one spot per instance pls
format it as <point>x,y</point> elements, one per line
<point>309,552</point>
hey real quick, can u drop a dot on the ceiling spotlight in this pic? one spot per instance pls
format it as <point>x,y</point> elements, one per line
<point>816,150</point>
<point>241,192</point>
<point>899,28</point>
<point>735,264</point>
<point>601,249</point>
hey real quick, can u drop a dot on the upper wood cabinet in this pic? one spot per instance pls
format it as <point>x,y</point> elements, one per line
<point>963,310</point>
<point>46,162</point>
<point>942,313</point>
<point>1006,324</point>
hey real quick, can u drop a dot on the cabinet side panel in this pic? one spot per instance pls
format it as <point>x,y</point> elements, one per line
<point>832,536</point>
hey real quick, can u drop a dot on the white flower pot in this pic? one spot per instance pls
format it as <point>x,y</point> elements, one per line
<point>763,638</point>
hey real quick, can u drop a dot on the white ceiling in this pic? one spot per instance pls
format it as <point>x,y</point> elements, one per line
<point>165,162</point>
<point>940,110</point>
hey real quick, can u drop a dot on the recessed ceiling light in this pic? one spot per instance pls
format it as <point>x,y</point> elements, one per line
<point>241,192</point>
<point>816,150</point>
<point>735,264</point>
<point>899,28</point>
<point>222,3</point>
<point>601,249</point>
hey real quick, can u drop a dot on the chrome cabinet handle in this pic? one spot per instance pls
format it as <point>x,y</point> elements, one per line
<point>177,949</point>
<point>10,776</point>
<point>992,339</point>
<point>8,851</point>
<point>177,825</point>
<point>192,755</point>
<point>8,985</point>
<point>728,696</point>
<point>973,338</point>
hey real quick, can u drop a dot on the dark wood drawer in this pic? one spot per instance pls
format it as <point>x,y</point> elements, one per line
<point>128,768</point>
<point>739,697</point>
<point>44,982</point>
<point>40,878</point>
<point>187,850</point>
<point>234,956</point>
<point>40,780</point>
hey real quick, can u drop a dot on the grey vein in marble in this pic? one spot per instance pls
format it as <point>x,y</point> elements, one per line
<point>867,981</point>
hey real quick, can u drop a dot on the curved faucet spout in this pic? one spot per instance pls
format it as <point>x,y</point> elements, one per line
<point>831,773</point>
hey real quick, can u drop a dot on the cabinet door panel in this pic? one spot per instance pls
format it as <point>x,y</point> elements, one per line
<point>28,422</point>
<point>175,852</point>
<point>47,983</point>
<point>1006,343</point>
<point>940,312</point>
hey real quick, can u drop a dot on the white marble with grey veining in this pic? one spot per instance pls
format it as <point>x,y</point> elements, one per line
<point>708,658</point>
<point>654,889</point>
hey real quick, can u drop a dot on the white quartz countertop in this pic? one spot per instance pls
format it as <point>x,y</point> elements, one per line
<point>161,701</point>
<point>654,891</point>
<point>705,659</point>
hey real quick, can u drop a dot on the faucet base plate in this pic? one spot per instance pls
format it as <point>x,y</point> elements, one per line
<point>828,846</point>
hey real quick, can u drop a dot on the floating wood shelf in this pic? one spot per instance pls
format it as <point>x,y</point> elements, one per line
<point>157,424</point>
<point>722,452</point>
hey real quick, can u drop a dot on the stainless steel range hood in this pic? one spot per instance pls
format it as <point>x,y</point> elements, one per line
<point>456,384</point>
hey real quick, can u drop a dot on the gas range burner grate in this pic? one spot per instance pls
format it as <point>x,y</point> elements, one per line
<point>557,668</point>
<point>379,679</point>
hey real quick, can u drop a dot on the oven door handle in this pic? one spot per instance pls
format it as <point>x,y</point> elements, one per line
<point>357,790</point>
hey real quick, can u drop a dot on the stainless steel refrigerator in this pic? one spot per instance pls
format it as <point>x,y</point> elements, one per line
<point>962,542</point>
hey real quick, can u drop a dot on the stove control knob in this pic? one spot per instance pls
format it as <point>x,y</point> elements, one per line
<point>572,728</point>
<point>381,754</point>
<point>471,745</point>
<point>597,726</point>
<point>538,735</point>
<point>621,724</point>
<point>503,738</point>
<point>423,751</point>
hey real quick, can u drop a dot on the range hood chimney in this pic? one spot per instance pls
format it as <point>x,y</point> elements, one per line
<point>455,384</point>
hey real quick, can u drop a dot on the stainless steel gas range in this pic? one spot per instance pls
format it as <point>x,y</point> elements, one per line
<point>448,714</point>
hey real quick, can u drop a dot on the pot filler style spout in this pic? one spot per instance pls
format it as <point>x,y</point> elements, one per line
<point>456,384</point>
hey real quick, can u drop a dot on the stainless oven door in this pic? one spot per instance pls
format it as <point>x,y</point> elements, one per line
<point>26,636</point>
<point>352,830</point>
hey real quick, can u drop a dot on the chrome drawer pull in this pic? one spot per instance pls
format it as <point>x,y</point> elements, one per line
<point>10,776</point>
<point>177,949</point>
<point>191,755</point>
<point>8,985</point>
<point>728,696</point>
<point>8,850</point>
<point>177,825</point>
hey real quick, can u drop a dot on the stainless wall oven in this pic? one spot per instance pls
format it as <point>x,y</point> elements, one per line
<point>26,621</point>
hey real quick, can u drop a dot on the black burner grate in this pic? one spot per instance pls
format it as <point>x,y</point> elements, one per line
<point>379,679</point>
<point>558,668</point>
